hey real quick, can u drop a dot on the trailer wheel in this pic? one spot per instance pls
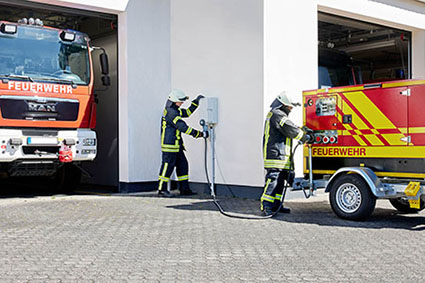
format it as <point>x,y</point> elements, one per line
<point>402,205</point>
<point>351,198</point>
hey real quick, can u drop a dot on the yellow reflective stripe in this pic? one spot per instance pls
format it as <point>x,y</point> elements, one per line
<point>188,131</point>
<point>170,149</point>
<point>170,146</point>
<point>300,134</point>
<point>283,121</point>
<point>164,125</point>
<point>267,198</point>
<point>197,134</point>
<point>266,186</point>
<point>183,178</point>
<point>194,104</point>
<point>164,112</point>
<point>267,133</point>
<point>165,179</point>
<point>164,170</point>
<point>180,111</point>
<point>288,147</point>
<point>176,119</point>
<point>280,164</point>
<point>177,138</point>
<point>160,185</point>
<point>188,112</point>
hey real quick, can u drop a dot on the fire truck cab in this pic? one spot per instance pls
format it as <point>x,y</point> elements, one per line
<point>369,144</point>
<point>47,104</point>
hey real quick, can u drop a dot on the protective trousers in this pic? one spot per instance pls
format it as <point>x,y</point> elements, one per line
<point>273,189</point>
<point>169,161</point>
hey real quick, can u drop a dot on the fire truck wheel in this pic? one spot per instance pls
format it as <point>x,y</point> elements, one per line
<point>402,205</point>
<point>351,198</point>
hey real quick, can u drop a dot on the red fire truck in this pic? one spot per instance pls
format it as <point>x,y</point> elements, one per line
<point>47,105</point>
<point>369,144</point>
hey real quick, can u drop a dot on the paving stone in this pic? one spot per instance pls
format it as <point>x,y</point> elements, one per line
<point>141,238</point>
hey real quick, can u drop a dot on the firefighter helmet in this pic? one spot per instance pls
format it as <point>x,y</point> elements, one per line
<point>285,100</point>
<point>177,95</point>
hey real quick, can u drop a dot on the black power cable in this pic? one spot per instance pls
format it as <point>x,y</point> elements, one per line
<point>220,208</point>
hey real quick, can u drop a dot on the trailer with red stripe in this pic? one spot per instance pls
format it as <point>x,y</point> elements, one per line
<point>369,144</point>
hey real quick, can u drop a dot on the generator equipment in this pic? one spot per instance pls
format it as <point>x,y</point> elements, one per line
<point>369,144</point>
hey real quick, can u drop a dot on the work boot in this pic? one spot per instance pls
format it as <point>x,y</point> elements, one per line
<point>187,192</point>
<point>285,210</point>
<point>282,209</point>
<point>267,211</point>
<point>165,194</point>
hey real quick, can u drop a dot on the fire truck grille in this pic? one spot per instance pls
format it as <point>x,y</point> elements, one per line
<point>32,168</point>
<point>28,108</point>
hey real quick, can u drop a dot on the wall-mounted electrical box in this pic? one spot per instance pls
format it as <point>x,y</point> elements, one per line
<point>212,110</point>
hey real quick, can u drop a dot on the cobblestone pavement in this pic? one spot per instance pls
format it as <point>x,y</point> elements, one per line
<point>141,238</point>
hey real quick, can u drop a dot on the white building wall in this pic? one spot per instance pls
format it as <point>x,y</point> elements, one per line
<point>216,48</point>
<point>144,80</point>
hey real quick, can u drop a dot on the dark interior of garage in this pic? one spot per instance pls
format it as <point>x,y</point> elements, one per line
<point>102,30</point>
<point>356,52</point>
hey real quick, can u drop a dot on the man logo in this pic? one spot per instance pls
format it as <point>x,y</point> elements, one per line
<point>41,107</point>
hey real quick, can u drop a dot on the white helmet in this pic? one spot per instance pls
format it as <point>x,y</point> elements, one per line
<point>177,95</point>
<point>285,100</point>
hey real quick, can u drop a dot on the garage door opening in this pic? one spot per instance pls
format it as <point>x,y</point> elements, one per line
<point>356,52</point>
<point>102,30</point>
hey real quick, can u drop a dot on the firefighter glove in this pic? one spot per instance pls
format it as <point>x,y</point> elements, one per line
<point>199,97</point>
<point>307,130</point>
<point>309,138</point>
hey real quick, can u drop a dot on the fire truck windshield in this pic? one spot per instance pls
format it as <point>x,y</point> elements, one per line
<point>39,54</point>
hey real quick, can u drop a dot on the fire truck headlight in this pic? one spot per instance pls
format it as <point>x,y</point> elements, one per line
<point>89,142</point>
<point>9,29</point>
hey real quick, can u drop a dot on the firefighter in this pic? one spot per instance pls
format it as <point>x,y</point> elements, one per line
<point>172,127</point>
<point>279,132</point>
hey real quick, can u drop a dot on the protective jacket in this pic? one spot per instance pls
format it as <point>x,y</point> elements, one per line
<point>277,140</point>
<point>172,125</point>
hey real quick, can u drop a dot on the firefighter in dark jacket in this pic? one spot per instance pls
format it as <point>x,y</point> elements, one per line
<point>172,127</point>
<point>279,132</point>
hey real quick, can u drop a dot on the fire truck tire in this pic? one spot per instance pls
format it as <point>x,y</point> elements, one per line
<point>402,205</point>
<point>68,178</point>
<point>351,198</point>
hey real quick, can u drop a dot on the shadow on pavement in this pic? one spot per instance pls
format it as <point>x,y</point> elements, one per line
<point>38,187</point>
<point>317,212</point>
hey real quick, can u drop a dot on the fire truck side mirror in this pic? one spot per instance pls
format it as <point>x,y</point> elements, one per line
<point>104,65</point>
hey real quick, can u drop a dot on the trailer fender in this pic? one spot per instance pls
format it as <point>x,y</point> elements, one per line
<point>366,173</point>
